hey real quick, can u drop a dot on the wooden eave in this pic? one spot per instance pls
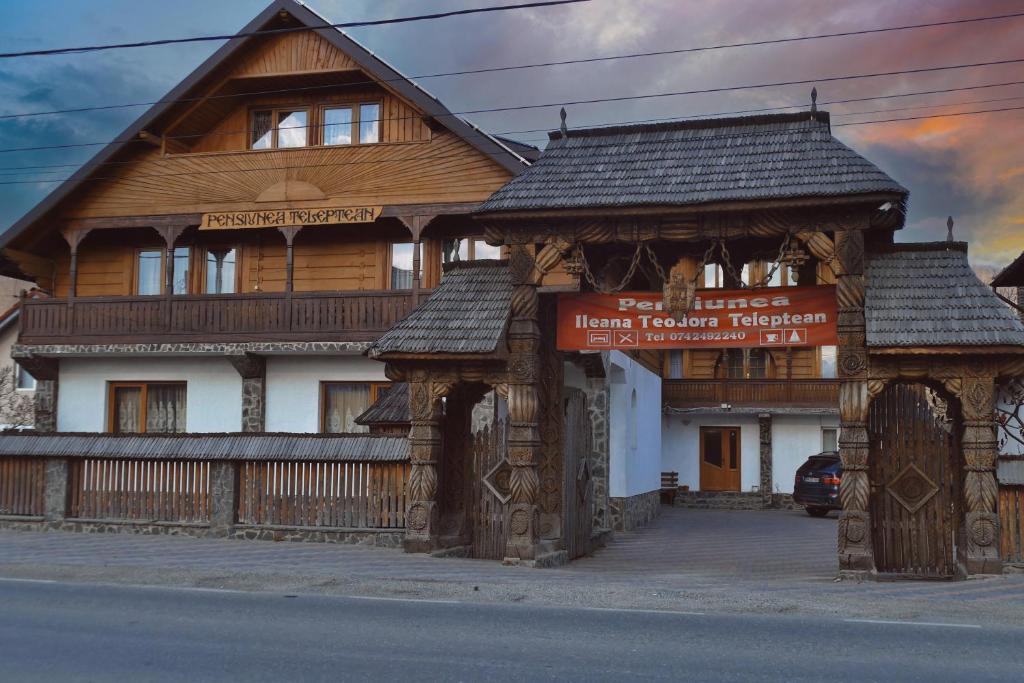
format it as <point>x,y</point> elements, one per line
<point>945,350</point>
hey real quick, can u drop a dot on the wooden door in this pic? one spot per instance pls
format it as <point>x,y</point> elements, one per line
<point>491,492</point>
<point>719,458</point>
<point>578,505</point>
<point>915,482</point>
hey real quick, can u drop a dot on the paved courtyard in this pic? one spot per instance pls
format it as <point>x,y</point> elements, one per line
<point>774,561</point>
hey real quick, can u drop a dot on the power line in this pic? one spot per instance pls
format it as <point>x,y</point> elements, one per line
<point>262,169</point>
<point>294,29</point>
<point>466,72</point>
<point>597,100</point>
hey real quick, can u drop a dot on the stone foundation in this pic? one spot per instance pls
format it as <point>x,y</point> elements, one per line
<point>735,500</point>
<point>634,512</point>
<point>380,538</point>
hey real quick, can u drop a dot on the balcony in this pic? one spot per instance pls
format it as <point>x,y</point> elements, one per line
<point>796,393</point>
<point>355,316</point>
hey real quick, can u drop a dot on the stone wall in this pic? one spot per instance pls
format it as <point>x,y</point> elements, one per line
<point>634,512</point>
<point>734,500</point>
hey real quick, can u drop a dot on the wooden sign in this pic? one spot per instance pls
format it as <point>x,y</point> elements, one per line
<point>278,218</point>
<point>776,316</point>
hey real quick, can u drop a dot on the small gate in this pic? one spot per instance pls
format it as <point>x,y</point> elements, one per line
<point>579,489</point>
<point>915,482</point>
<point>491,492</point>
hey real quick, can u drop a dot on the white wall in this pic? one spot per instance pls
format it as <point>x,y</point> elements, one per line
<point>635,428</point>
<point>794,439</point>
<point>293,387</point>
<point>213,390</point>
<point>680,446</point>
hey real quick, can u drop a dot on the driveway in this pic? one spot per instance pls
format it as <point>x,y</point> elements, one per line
<point>727,544</point>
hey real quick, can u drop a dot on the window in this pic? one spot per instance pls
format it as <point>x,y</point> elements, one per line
<point>715,275</point>
<point>147,407</point>
<point>467,249</point>
<point>369,123</point>
<point>402,265</point>
<point>338,126</point>
<point>279,128</point>
<point>784,276</point>
<point>828,362</point>
<point>220,271</point>
<point>23,380</point>
<point>829,439</point>
<point>743,364</point>
<point>149,268</point>
<point>342,402</point>
<point>675,364</point>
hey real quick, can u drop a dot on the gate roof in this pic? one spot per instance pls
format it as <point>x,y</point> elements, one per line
<point>768,157</point>
<point>927,295</point>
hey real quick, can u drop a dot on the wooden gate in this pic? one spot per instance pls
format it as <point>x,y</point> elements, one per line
<point>491,493</point>
<point>579,489</point>
<point>914,469</point>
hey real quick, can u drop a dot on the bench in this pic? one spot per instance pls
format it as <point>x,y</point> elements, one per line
<point>669,487</point>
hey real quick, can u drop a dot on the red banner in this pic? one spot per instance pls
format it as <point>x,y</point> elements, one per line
<point>776,316</point>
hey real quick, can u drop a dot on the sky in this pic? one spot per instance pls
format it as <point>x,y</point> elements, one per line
<point>970,167</point>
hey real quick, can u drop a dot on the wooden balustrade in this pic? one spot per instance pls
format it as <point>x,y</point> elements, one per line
<point>297,316</point>
<point>803,393</point>
<point>363,495</point>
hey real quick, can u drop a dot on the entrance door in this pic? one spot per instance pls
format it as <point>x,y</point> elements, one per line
<point>915,478</point>
<point>578,503</point>
<point>719,458</point>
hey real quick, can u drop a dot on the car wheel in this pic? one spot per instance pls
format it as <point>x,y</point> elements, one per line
<point>817,512</point>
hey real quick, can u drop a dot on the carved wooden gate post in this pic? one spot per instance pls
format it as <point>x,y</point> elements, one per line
<point>422,517</point>
<point>979,534</point>
<point>855,553</point>
<point>524,444</point>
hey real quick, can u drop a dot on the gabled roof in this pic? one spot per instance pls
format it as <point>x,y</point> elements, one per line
<point>468,313</point>
<point>1012,275</point>
<point>500,152</point>
<point>769,157</point>
<point>928,295</point>
<point>391,408</point>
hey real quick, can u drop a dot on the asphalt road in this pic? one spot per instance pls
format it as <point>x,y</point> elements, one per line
<point>69,632</point>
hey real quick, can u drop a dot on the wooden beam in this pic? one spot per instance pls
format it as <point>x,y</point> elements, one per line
<point>115,222</point>
<point>155,140</point>
<point>74,238</point>
<point>433,210</point>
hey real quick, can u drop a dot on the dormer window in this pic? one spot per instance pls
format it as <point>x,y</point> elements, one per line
<point>280,128</point>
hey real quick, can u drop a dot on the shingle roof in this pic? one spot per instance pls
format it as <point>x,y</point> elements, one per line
<point>322,447</point>
<point>390,408</point>
<point>928,295</point>
<point>467,313</point>
<point>776,156</point>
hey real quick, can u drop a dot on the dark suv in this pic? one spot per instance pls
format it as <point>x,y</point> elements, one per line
<point>817,484</point>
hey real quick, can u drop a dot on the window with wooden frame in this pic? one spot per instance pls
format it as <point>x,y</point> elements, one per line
<point>150,270</point>
<point>146,407</point>
<point>279,128</point>
<point>467,249</point>
<point>342,402</point>
<point>745,364</point>
<point>347,124</point>
<point>402,263</point>
<point>221,273</point>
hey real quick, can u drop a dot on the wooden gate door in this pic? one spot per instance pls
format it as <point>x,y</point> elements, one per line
<point>719,458</point>
<point>579,489</point>
<point>491,493</point>
<point>915,482</point>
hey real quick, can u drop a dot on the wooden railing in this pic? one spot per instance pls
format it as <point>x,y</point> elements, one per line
<point>298,316</point>
<point>802,393</point>
<point>21,486</point>
<point>364,495</point>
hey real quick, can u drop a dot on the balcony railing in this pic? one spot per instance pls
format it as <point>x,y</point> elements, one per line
<point>798,393</point>
<point>297,316</point>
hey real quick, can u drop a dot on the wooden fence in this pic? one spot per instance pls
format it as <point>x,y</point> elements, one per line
<point>22,482</point>
<point>1011,520</point>
<point>150,490</point>
<point>361,495</point>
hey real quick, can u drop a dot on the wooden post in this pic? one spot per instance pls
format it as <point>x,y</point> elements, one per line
<point>978,536</point>
<point>289,235</point>
<point>423,533</point>
<point>73,237</point>
<point>170,233</point>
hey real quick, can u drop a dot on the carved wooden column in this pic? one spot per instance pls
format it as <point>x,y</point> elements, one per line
<point>422,520</point>
<point>979,535</point>
<point>522,520</point>
<point>855,549</point>
<point>170,233</point>
<point>74,238</point>
<point>289,236</point>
